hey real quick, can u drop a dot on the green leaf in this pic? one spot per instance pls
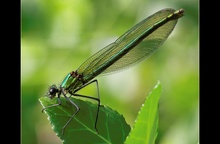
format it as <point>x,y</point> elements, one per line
<point>146,125</point>
<point>111,126</point>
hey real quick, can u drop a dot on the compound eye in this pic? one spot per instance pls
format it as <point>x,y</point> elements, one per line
<point>52,91</point>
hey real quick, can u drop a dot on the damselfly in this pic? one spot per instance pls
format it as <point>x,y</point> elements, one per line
<point>135,45</point>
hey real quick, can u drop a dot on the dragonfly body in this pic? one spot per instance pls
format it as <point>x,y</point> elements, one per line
<point>135,45</point>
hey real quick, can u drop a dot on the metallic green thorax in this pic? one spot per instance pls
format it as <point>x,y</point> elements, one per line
<point>70,81</point>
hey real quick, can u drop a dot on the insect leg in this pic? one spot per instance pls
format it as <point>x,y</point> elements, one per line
<point>77,110</point>
<point>84,96</point>
<point>59,103</point>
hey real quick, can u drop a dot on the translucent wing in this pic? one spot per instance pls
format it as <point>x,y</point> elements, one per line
<point>127,50</point>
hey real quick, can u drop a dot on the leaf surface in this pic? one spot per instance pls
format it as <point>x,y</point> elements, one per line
<point>111,126</point>
<point>146,124</point>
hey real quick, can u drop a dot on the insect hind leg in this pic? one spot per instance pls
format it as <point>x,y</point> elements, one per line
<point>89,97</point>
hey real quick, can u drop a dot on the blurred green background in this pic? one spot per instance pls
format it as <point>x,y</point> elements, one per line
<point>58,35</point>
